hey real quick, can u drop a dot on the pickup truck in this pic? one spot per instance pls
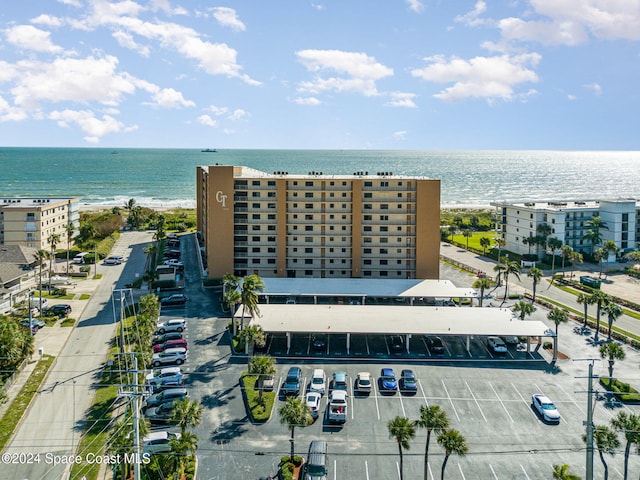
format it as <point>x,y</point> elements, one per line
<point>338,406</point>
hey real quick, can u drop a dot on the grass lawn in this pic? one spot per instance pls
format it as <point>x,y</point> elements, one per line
<point>85,296</point>
<point>259,413</point>
<point>474,239</point>
<point>68,322</point>
<point>20,404</point>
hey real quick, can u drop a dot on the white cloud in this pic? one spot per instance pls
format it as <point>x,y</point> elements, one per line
<point>313,101</point>
<point>238,114</point>
<point>170,98</point>
<point>472,18</point>
<point>359,71</point>
<point>11,114</point>
<point>93,127</point>
<point>228,17</point>
<point>415,5</point>
<point>571,97</point>
<point>126,40</point>
<point>490,78</point>
<point>218,111</point>
<point>48,20</point>
<point>594,87</point>
<point>402,99</point>
<point>318,6</point>
<point>66,79</point>
<point>29,37</point>
<point>570,22</point>
<point>73,3</point>
<point>165,6</point>
<point>400,134</point>
<point>207,120</point>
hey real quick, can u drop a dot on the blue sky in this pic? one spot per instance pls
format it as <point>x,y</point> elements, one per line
<point>335,74</point>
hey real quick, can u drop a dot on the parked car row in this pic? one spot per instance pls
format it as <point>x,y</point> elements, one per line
<point>169,346</point>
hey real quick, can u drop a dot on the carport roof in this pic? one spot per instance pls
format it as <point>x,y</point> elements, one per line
<point>390,319</point>
<point>359,287</point>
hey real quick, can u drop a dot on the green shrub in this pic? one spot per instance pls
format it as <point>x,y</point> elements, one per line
<point>259,411</point>
<point>547,345</point>
<point>623,391</point>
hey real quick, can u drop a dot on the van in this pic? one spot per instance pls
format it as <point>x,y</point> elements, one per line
<point>79,258</point>
<point>35,302</point>
<point>316,468</point>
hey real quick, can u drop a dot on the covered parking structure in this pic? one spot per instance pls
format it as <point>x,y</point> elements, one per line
<point>361,291</point>
<point>400,320</point>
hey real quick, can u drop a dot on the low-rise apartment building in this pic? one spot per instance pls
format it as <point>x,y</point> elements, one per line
<point>29,221</point>
<point>568,222</point>
<point>316,225</point>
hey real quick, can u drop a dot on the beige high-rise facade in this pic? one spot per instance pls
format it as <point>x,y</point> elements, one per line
<point>318,225</point>
<point>30,221</point>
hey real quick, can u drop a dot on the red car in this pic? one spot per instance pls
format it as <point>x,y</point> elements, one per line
<point>180,342</point>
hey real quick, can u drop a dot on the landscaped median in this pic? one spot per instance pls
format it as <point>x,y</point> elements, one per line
<point>623,391</point>
<point>19,405</point>
<point>259,408</point>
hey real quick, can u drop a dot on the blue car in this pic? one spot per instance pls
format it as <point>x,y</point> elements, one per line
<point>388,379</point>
<point>291,385</point>
<point>408,383</point>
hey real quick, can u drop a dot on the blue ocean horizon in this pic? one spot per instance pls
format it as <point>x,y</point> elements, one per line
<point>166,177</point>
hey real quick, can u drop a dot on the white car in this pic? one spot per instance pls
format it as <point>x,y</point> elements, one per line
<point>165,374</point>
<point>313,402</point>
<point>171,356</point>
<point>318,381</point>
<point>497,345</point>
<point>545,407</point>
<point>158,442</point>
<point>173,325</point>
<point>363,382</point>
<point>113,260</point>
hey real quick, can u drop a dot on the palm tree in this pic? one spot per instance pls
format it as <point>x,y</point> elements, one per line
<point>613,311</point>
<point>576,257</point>
<point>186,413</point>
<point>585,299</point>
<point>528,241</point>
<point>41,258</point>
<point>262,366</point>
<point>499,268</point>
<point>294,413</point>
<point>543,230</point>
<point>452,231</point>
<point>557,316</point>
<point>561,472</point>
<point>467,233</point>
<point>402,430</point>
<point>186,445</point>
<point>606,441</point>
<point>252,285</point>
<point>483,284</point>
<point>629,425</point>
<point>252,335</point>
<point>53,241</point>
<point>535,274</point>
<point>453,442</point>
<point>231,296</point>
<point>523,308</point>
<point>609,247</point>
<point>565,252</point>
<point>599,298</point>
<point>500,242</point>
<point>612,351</point>
<point>510,268</point>
<point>554,244</point>
<point>434,419</point>
<point>485,242</point>
<point>130,204</point>
<point>69,230</point>
<point>598,255</point>
<point>593,235</point>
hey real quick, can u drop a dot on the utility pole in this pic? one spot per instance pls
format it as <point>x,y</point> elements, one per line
<point>136,424</point>
<point>589,422</point>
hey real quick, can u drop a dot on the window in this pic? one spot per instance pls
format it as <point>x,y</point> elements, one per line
<point>330,227</point>
<point>384,184</point>
<point>384,273</point>
<point>308,205</point>
<point>295,194</point>
<point>399,206</point>
<point>384,240</point>
<point>344,194</point>
<point>308,228</point>
<point>255,261</point>
<point>384,262</point>
<point>367,218</point>
<point>271,216</point>
<point>344,205</point>
<point>308,195</point>
<point>271,183</point>
<point>271,194</point>
<point>367,250</point>
<point>255,216</point>
<point>368,184</point>
<point>367,273</point>
<point>399,194</point>
<point>331,194</point>
<point>255,239</point>
<point>383,251</point>
<point>367,228</point>
<point>385,229</point>
<point>367,262</point>
<point>368,195</point>
<point>367,206</point>
<point>308,261</point>
<point>331,217</point>
<point>308,217</point>
<point>271,228</point>
<point>255,183</point>
<point>271,250</point>
<point>255,205</point>
<point>397,228</point>
<point>295,205</point>
<point>271,261</point>
<point>255,194</point>
<point>255,249</point>
<point>308,184</point>
<point>308,273</point>
<point>384,218</point>
<point>255,227</point>
<point>308,239</point>
<point>331,250</point>
<point>271,205</point>
<point>344,228</point>
<point>366,239</point>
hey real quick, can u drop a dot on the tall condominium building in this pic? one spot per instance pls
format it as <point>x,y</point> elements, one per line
<point>315,226</point>
<point>515,222</point>
<point>30,221</point>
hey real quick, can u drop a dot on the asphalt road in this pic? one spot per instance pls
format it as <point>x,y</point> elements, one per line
<point>52,424</point>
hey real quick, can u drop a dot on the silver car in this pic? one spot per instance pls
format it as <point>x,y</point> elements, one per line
<point>171,356</point>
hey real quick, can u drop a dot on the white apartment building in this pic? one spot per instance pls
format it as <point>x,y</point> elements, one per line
<point>568,222</point>
<point>29,221</point>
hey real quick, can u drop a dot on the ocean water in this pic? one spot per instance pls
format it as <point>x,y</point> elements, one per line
<point>166,177</point>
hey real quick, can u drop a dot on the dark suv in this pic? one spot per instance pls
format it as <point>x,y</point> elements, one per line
<point>59,309</point>
<point>291,384</point>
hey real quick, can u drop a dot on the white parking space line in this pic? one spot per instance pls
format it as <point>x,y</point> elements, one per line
<point>573,400</point>
<point>404,413</point>
<point>366,469</point>
<point>309,345</point>
<point>525,472</point>
<point>475,400</point>
<point>494,473</point>
<point>398,470</point>
<point>366,341</point>
<point>502,403</point>
<point>450,401</point>
<point>528,404</point>
<point>352,403</point>
<point>461,472</point>
<point>430,472</point>
<point>375,396</point>
<point>424,395</point>
<point>335,473</point>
